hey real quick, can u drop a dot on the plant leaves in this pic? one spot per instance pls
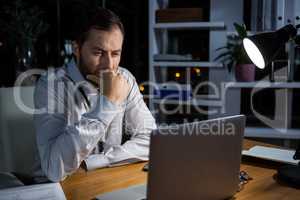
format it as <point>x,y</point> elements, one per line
<point>24,24</point>
<point>241,30</point>
<point>221,48</point>
<point>233,53</point>
<point>222,55</point>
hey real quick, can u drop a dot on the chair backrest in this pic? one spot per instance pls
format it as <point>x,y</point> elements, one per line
<point>17,133</point>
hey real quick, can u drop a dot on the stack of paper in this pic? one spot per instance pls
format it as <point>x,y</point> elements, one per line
<point>274,154</point>
<point>47,191</point>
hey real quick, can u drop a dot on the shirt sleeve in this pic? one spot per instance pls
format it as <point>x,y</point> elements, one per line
<point>139,124</point>
<point>63,145</point>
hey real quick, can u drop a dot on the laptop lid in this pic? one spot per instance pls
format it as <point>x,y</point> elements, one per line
<point>199,160</point>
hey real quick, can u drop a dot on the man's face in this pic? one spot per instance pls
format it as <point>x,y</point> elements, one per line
<point>100,51</point>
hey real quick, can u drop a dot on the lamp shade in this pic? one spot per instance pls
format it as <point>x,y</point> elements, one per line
<point>262,48</point>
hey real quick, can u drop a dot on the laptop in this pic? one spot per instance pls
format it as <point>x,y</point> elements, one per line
<point>199,160</point>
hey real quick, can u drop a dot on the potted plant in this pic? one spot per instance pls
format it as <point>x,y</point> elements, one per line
<point>234,57</point>
<point>23,24</point>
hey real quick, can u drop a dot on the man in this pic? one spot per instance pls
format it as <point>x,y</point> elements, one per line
<point>78,123</point>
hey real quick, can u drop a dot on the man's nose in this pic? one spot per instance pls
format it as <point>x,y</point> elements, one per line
<point>107,62</point>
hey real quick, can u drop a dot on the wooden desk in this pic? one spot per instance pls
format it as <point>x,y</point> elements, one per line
<point>86,185</point>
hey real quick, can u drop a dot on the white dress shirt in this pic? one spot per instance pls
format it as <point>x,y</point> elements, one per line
<point>75,123</point>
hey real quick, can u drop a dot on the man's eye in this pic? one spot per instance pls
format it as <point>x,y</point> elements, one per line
<point>98,53</point>
<point>116,54</point>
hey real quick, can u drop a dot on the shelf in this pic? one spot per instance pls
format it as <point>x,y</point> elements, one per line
<point>249,33</point>
<point>190,25</point>
<point>272,133</point>
<point>263,84</point>
<point>187,64</point>
<point>195,102</point>
<point>164,51</point>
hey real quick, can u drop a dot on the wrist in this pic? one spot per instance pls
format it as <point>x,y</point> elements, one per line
<point>113,99</point>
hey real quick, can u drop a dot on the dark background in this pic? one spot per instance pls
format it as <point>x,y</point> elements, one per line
<point>133,13</point>
<point>63,17</point>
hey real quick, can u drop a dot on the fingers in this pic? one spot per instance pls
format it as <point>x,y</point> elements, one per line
<point>93,79</point>
<point>107,80</point>
<point>107,73</point>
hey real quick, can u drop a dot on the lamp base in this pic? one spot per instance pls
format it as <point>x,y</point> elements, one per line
<point>290,175</point>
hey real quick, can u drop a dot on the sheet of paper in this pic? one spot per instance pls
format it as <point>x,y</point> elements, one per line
<point>137,192</point>
<point>47,191</point>
<point>274,154</point>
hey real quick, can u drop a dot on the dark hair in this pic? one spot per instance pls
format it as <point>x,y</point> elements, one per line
<point>99,18</point>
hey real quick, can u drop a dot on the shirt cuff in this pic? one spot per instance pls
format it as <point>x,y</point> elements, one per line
<point>96,161</point>
<point>104,110</point>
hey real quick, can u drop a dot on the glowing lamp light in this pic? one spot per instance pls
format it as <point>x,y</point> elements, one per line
<point>177,75</point>
<point>142,88</point>
<point>254,53</point>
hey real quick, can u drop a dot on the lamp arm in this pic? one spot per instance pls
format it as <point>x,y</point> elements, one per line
<point>297,37</point>
<point>297,153</point>
<point>297,40</point>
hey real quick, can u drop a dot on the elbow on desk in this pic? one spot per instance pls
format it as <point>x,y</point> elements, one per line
<point>54,175</point>
<point>56,171</point>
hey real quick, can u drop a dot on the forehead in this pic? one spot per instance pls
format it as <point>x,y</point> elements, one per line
<point>107,40</point>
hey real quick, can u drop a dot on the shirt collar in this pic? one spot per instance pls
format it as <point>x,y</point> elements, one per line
<point>74,72</point>
<point>77,77</point>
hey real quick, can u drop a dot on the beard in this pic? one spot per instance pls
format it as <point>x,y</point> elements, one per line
<point>82,66</point>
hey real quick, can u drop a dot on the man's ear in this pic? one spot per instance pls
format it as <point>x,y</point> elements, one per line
<point>76,49</point>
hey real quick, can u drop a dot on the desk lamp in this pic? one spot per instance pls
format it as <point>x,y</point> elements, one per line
<point>262,49</point>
